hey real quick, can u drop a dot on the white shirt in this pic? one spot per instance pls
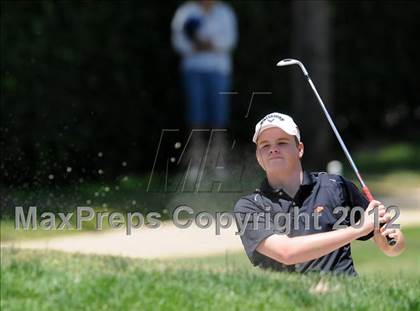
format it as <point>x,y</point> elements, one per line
<point>217,26</point>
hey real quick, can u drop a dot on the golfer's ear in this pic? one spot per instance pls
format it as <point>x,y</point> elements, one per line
<point>301,149</point>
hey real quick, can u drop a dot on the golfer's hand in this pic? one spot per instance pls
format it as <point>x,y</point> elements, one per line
<point>382,232</point>
<point>369,219</point>
<point>380,238</point>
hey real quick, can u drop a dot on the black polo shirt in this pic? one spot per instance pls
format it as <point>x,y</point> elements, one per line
<point>319,193</point>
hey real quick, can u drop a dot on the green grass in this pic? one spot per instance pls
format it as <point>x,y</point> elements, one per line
<point>38,280</point>
<point>369,259</point>
<point>389,158</point>
<point>8,232</point>
<point>126,194</point>
<point>392,169</point>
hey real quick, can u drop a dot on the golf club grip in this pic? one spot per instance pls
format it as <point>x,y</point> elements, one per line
<point>369,196</point>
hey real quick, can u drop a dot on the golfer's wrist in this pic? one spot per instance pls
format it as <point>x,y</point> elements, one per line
<point>359,232</point>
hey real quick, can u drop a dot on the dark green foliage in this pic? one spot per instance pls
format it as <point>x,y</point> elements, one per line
<point>78,78</point>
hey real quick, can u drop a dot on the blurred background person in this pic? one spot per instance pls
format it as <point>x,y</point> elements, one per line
<point>204,34</point>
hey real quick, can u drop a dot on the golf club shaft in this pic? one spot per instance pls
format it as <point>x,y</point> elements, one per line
<point>365,189</point>
<point>337,134</point>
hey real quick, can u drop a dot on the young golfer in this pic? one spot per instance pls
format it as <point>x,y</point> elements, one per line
<point>303,221</point>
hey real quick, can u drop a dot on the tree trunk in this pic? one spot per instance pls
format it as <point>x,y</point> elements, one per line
<point>311,45</point>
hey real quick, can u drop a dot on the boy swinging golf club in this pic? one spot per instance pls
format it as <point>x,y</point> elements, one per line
<point>318,204</point>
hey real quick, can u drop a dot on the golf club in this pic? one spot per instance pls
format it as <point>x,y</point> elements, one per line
<point>365,189</point>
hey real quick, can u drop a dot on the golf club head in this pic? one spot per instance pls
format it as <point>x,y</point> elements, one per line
<point>291,61</point>
<point>287,62</point>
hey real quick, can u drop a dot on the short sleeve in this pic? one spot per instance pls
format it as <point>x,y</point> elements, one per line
<point>252,229</point>
<point>355,198</point>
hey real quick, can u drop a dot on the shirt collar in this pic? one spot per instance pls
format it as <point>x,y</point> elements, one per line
<point>308,180</point>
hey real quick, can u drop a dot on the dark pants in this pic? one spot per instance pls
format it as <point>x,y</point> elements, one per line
<point>205,105</point>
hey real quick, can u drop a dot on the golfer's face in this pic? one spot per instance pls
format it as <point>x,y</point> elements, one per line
<point>277,150</point>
